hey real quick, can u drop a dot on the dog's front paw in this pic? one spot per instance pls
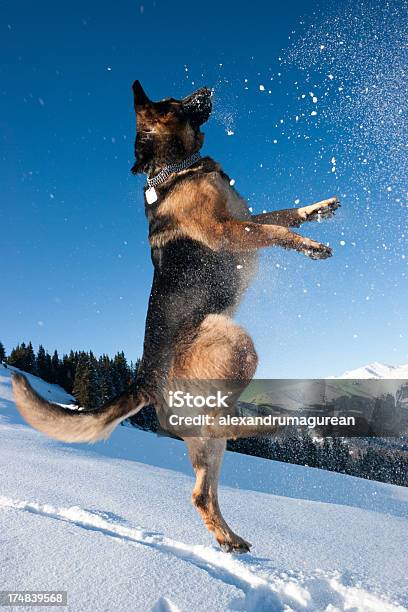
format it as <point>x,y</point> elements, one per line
<point>316,250</point>
<point>321,210</point>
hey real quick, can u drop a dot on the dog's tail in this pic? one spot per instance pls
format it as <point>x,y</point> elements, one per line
<point>75,425</point>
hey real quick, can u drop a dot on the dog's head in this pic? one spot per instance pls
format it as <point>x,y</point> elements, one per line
<point>169,130</point>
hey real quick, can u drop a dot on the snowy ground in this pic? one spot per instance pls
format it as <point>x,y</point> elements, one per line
<point>112,524</point>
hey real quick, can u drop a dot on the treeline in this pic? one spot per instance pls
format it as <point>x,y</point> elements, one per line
<point>333,454</point>
<point>90,380</point>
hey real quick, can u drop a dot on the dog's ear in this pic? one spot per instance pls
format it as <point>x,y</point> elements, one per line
<point>198,106</point>
<point>139,95</point>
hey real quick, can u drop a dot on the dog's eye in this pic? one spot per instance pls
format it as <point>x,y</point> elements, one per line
<point>176,109</point>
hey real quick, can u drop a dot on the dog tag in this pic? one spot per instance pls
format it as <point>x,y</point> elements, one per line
<point>151,195</point>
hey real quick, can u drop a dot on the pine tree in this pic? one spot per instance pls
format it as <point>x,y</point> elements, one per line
<point>341,455</point>
<point>135,368</point>
<point>14,359</point>
<point>72,366</point>
<point>87,382</point>
<point>42,366</point>
<point>30,361</point>
<point>21,357</point>
<point>310,451</point>
<point>55,364</point>
<point>79,381</point>
<point>49,367</point>
<point>2,352</point>
<point>66,373</point>
<point>107,387</point>
<point>93,386</point>
<point>121,373</point>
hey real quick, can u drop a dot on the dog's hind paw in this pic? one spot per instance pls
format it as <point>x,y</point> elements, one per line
<point>235,545</point>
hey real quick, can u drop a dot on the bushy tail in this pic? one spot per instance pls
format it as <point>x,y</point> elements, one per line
<point>75,425</point>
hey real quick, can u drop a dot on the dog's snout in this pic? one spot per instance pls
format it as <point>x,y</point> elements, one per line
<point>199,105</point>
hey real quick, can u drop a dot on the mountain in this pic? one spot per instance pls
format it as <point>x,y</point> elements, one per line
<point>377,370</point>
<point>290,394</point>
<point>112,524</point>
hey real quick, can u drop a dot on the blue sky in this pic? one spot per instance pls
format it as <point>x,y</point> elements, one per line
<point>75,268</point>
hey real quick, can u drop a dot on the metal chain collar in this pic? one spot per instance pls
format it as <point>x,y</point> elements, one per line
<point>165,173</point>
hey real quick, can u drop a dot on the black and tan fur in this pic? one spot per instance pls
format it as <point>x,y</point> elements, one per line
<point>204,244</point>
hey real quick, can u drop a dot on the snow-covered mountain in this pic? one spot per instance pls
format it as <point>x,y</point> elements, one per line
<point>377,370</point>
<point>295,394</point>
<point>113,525</point>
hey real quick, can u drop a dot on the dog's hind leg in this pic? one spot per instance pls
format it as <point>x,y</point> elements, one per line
<point>294,217</point>
<point>221,351</point>
<point>206,457</point>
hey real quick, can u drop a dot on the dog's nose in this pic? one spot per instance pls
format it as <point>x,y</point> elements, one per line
<point>204,93</point>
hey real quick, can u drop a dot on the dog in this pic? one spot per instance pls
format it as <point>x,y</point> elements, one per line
<point>204,244</point>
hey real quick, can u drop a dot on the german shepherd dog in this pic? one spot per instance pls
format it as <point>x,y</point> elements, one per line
<point>203,246</point>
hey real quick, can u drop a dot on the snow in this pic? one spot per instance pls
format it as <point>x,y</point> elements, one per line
<point>113,525</point>
<point>51,392</point>
<point>350,56</point>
